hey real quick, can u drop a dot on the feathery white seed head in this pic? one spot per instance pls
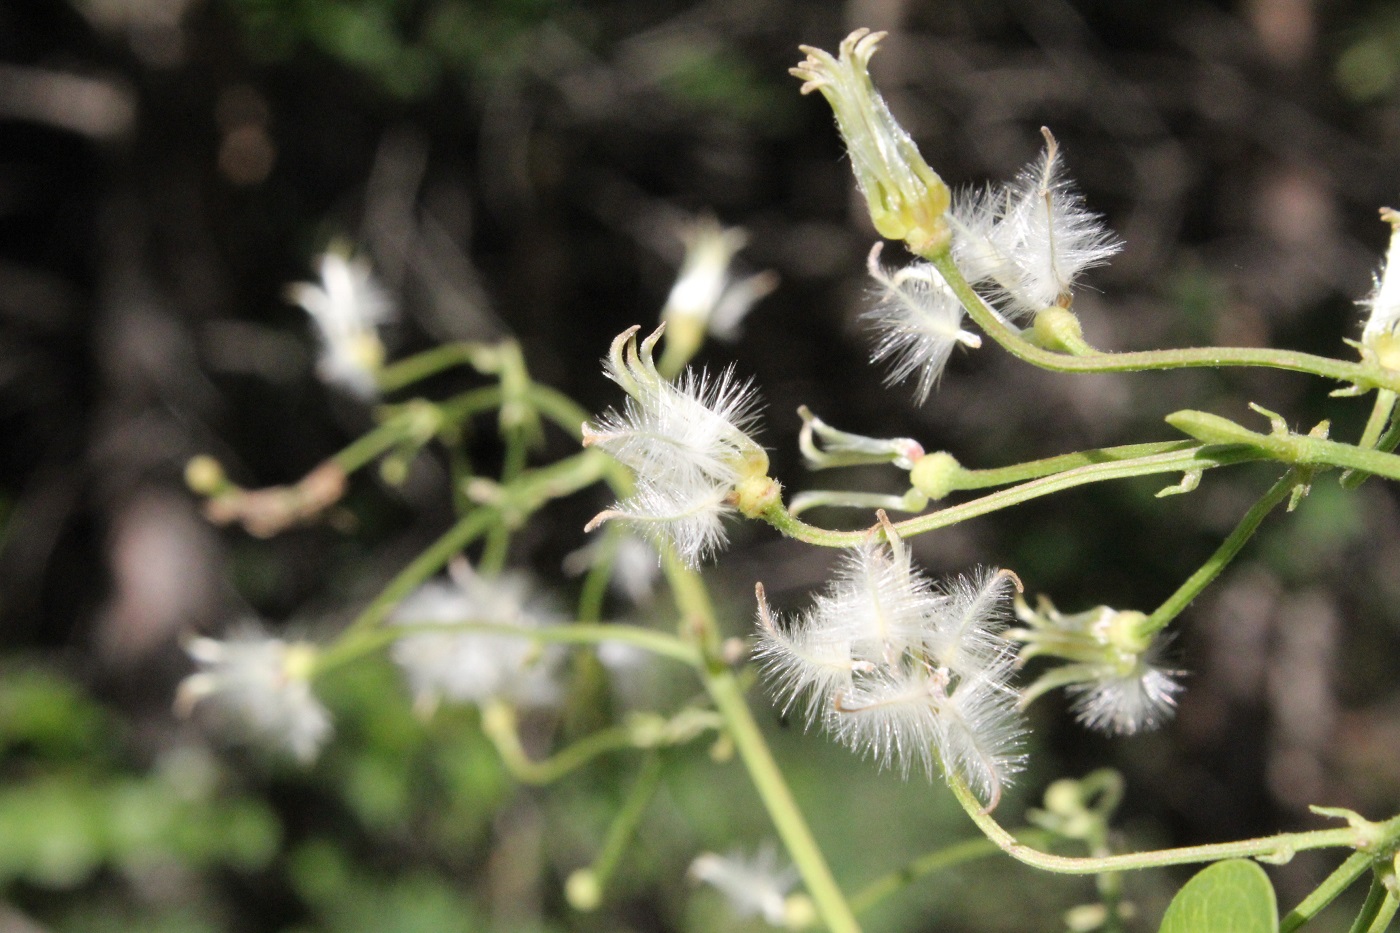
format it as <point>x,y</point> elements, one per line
<point>901,670</point>
<point>1112,670</point>
<point>476,667</point>
<point>688,442</point>
<point>905,197</point>
<point>1384,300</point>
<point>347,307</point>
<point>1028,241</point>
<point>706,296</point>
<point>259,688</point>
<point>918,321</point>
<point>754,886</point>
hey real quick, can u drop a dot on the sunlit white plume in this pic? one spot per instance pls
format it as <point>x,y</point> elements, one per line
<point>901,669</point>
<point>1029,240</point>
<point>687,442</point>
<point>918,321</point>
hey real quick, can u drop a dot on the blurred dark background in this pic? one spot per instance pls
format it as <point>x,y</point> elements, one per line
<point>522,168</point>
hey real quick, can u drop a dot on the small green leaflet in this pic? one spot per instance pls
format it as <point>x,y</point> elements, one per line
<point>1227,897</point>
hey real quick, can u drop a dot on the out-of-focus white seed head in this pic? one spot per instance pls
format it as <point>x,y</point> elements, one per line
<point>754,886</point>
<point>347,306</point>
<point>259,688</point>
<point>476,667</point>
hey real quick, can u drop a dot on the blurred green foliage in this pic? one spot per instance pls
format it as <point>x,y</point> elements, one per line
<point>73,802</point>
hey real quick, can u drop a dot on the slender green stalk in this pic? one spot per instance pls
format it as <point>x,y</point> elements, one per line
<point>1284,446</point>
<point>957,854</point>
<point>497,549</point>
<point>1386,914</point>
<point>698,624</point>
<point>429,363</point>
<point>366,642</point>
<point>624,826</point>
<point>498,721</point>
<point>1277,848</point>
<point>1361,374</point>
<point>1381,413</point>
<point>467,529</point>
<point>1034,469</point>
<point>1372,908</point>
<point>595,582</point>
<point>772,788</point>
<point>1186,460</point>
<point>1231,546</point>
<point>375,442</point>
<point>1344,877</point>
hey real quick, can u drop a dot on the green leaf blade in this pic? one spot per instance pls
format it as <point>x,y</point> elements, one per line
<point>1227,897</point>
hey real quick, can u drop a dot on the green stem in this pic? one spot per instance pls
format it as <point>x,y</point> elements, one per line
<point>1381,413</point>
<point>1344,877</point>
<point>1187,460</point>
<point>623,828</point>
<point>782,808</point>
<point>430,362</point>
<point>1386,914</point>
<point>957,854</point>
<point>1231,546</point>
<point>1372,908</point>
<point>1034,469</point>
<point>365,448</point>
<point>466,530</point>
<point>498,721</point>
<point>698,624</point>
<point>1360,374</point>
<point>1280,847</point>
<point>365,642</point>
<point>595,582</point>
<point>1284,446</point>
<point>497,549</point>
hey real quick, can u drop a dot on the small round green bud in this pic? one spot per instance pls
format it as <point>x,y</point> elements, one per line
<point>583,891</point>
<point>1058,328</point>
<point>799,913</point>
<point>205,476</point>
<point>1387,349</point>
<point>393,470</point>
<point>1128,631</point>
<point>936,474</point>
<point>756,495</point>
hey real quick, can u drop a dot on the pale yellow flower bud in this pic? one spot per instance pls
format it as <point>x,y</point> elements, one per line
<point>907,199</point>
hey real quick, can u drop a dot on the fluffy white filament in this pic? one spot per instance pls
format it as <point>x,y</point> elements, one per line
<point>918,321</point>
<point>258,687</point>
<point>1029,240</point>
<point>688,443</point>
<point>1384,300</point>
<point>755,886</point>
<point>474,667</point>
<point>902,670</point>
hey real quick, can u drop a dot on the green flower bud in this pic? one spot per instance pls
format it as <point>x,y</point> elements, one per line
<point>907,199</point>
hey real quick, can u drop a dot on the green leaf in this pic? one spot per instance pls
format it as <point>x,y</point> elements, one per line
<point>1227,897</point>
